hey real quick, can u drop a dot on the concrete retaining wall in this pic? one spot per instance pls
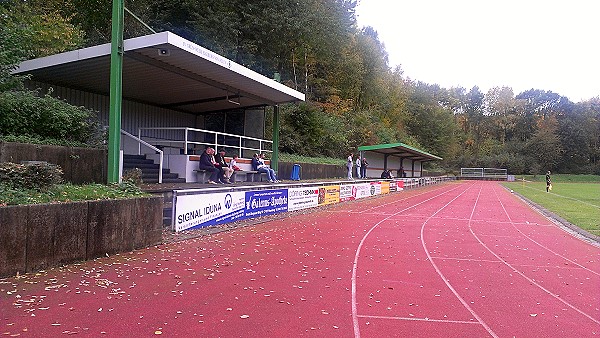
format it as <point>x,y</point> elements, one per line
<point>312,170</point>
<point>35,237</point>
<point>80,165</point>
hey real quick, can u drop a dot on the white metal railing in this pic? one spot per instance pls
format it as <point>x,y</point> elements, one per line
<point>142,142</point>
<point>185,141</point>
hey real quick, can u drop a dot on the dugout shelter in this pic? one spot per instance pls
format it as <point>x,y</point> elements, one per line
<point>393,156</point>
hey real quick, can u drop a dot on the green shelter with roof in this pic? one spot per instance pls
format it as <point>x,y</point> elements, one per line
<point>399,158</point>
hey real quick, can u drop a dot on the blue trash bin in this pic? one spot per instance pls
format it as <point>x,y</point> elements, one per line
<point>295,172</point>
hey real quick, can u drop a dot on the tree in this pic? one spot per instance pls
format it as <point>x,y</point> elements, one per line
<point>431,124</point>
<point>37,28</point>
<point>545,147</point>
<point>30,29</point>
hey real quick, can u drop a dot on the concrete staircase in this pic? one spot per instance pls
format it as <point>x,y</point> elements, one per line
<point>149,169</point>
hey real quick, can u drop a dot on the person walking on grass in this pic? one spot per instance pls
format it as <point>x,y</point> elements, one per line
<point>548,182</point>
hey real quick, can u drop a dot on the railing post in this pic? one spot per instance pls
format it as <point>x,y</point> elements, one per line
<point>185,142</point>
<point>160,167</point>
<point>216,140</point>
<point>139,144</point>
<point>275,143</point>
<point>240,149</point>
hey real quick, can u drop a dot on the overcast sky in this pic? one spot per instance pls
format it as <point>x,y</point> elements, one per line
<point>541,44</point>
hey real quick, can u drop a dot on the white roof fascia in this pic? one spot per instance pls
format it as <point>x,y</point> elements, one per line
<point>206,54</point>
<point>63,58</point>
<point>151,41</point>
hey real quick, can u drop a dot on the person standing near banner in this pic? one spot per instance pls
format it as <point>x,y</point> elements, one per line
<point>363,167</point>
<point>358,173</point>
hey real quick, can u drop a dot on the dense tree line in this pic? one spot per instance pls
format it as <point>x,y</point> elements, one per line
<point>354,96</point>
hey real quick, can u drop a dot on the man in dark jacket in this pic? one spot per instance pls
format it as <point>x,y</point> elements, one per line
<point>206,163</point>
<point>224,171</point>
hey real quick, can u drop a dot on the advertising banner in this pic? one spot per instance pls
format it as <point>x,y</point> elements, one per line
<point>375,188</point>
<point>200,210</point>
<point>266,202</point>
<point>363,190</point>
<point>329,194</point>
<point>302,198</point>
<point>208,209</point>
<point>347,192</point>
<point>385,187</point>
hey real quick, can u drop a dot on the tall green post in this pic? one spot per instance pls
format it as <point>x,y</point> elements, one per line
<point>275,157</point>
<point>116,90</point>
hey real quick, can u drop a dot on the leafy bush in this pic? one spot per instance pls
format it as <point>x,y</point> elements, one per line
<point>12,196</point>
<point>35,176</point>
<point>133,176</point>
<point>45,141</point>
<point>68,193</point>
<point>25,113</point>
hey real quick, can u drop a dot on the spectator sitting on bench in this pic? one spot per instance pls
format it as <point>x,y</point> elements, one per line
<point>258,164</point>
<point>225,171</point>
<point>233,163</point>
<point>206,163</point>
<point>400,173</point>
<point>387,174</point>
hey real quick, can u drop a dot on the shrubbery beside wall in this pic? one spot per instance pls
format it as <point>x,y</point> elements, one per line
<point>79,165</point>
<point>39,236</point>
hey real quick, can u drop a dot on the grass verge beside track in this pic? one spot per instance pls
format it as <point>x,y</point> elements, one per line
<point>578,203</point>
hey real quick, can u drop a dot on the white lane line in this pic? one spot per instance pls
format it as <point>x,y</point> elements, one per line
<point>555,296</point>
<point>421,319</point>
<point>539,244</point>
<point>407,198</point>
<point>521,265</point>
<point>369,211</point>
<point>437,269</point>
<point>356,256</point>
<point>464,259</point>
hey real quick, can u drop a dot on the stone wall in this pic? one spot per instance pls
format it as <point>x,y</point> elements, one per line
<point>39,236</point>
<point>312,171</point>
<point>80,165</point>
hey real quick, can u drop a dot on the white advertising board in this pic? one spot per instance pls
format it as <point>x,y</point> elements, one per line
<point>302,198</point>
<point>208,209</point>
<point>363,190</point>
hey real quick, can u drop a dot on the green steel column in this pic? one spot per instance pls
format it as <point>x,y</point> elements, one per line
<point>275,157</point>
<point>116,88</point>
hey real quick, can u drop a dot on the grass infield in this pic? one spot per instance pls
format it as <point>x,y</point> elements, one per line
<point>578,203</point>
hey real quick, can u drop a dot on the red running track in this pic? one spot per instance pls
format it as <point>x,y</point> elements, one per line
<point>465,259</point>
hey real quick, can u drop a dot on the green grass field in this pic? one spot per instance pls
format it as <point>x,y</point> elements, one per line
<point>578,203</point>
<point>561,178</point>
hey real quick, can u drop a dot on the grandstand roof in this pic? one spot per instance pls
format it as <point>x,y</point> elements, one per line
<point>163,70</point>
<point>401,150</point>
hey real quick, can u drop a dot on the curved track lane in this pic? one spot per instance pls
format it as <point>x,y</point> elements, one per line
<point>455,260</point>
